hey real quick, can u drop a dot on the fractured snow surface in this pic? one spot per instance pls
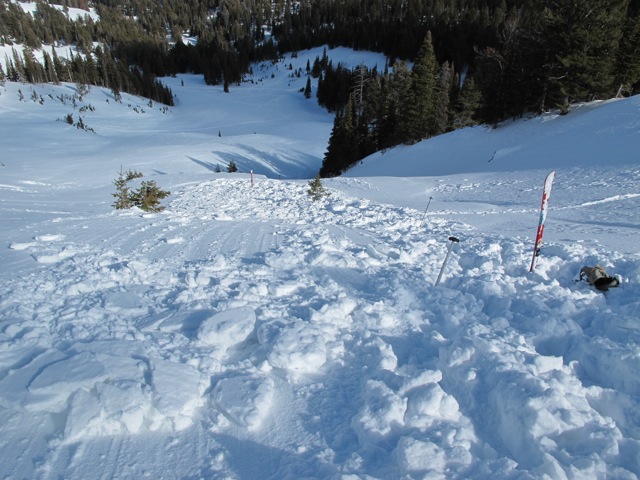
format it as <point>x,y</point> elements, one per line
<point>249,333</point>
<point>299,339</point>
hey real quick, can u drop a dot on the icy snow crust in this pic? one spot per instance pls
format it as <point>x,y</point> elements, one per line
<point>250,333</point>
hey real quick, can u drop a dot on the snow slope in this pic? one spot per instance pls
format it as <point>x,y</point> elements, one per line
<point>247,332</point>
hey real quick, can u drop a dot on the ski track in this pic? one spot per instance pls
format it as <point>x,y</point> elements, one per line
<point>351,313</point>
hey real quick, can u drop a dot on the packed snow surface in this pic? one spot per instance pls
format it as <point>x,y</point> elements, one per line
<point>248,332</point>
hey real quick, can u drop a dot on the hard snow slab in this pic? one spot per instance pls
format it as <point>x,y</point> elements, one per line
<point>270,336</point>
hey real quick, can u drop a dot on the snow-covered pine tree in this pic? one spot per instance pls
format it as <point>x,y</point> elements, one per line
<point>316,189</point>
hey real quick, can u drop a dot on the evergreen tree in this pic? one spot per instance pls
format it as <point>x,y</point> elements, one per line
<point>394,125</point>
<point>442,99</point>
<point>386,114</point>
<point>468,104</point>
<point>316,190</point>
<point>18,68</point>
<point>149,195</point>
<point>58,66</point>
<point>12,74</point>
<point>307,88</point>
<point>338,155</point>
<point>123,194</point>
<point>420,105</point>
<point>33,70</point>
<point>511,74</point>
<point>49,69</point>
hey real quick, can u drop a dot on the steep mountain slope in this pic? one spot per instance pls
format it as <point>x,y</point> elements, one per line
<point>248,332</point>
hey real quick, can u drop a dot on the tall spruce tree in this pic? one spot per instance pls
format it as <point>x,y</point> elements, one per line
<point>420,106</point>
<point>468,104</point>
<point>442,99</point>
<point>395,129</point>
<point>341,149</point>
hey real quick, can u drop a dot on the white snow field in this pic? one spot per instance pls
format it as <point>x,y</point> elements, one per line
<point>247,332</point>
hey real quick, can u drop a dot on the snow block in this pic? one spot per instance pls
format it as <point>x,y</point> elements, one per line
<point>245,400</point>
<point>428,404</point>
<point>383,413</point>
<point>336,313</point>
<point>228,328</point>
<point>420,456</point>
<point>299,348</point>
<point>178,391</point>
<point>54,385</point>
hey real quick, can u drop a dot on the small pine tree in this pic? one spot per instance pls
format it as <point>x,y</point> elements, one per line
<point>82,89</point>
<point>316,189</point>
<point>123,193</point>
<point>147,197</point>
<point>232,168</point>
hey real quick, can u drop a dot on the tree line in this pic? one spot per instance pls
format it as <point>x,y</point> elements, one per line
<point>378,110</point>
<point>96,61</point>
<point>475,61</point>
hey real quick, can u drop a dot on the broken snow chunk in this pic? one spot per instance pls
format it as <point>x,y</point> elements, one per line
<point>177,391</point>
<point>126,402</point>
<point>337,313</point>
<point>174,240</point>
<point>299,348</point>
<point>227,328</point>
<point>65,253</point>
<point>50,237</point>
<point>83,417</point>
<point>546,364</point>
<point>425,377</point>
<point>245,400</point>
<point>284,289</point>
<point>382,413</point>
<point>56,382</point>
<point>428,404</point>
<point>22,246</point>
<point>420,456</point>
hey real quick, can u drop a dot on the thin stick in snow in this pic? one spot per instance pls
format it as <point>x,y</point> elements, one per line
<point>425,212</point>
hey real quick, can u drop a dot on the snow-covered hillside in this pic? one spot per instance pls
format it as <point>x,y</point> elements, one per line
<point>247,332</point>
